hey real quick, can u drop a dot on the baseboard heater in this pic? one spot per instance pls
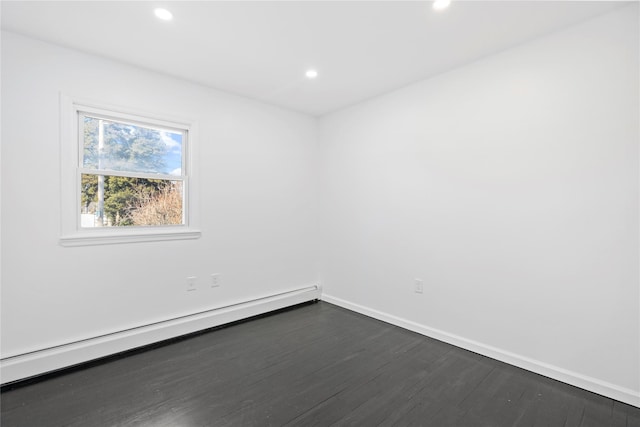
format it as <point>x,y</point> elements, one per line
<point>23,366</point>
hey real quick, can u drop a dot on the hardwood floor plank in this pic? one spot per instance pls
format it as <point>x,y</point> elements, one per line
<point>402,372</point>
<point>450,384</point>
<point>321,384</point>
<point>498,400</point>
<point>633,414</point>
<point>619,416</point>
<point>597,411</point>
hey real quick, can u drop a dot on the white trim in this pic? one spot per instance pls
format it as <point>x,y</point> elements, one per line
<point>72,234</point>
<point>626,395</point>
<point>144,175</point>
<point>27,365</point>
<point>138,236</point>
<point>147,120</point>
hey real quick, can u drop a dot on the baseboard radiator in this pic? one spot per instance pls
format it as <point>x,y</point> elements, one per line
<point>23,366</point>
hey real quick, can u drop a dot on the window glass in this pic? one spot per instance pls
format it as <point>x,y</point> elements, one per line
<point>117,146</point>
<point>127,201</point>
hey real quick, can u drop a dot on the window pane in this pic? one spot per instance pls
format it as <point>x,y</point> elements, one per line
<point>110,145</point>
<point>115,201</point>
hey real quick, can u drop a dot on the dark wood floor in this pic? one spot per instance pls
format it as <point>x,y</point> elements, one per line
<point>315,365</point>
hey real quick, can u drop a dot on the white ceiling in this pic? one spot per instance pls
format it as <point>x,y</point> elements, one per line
<point>261,49</point>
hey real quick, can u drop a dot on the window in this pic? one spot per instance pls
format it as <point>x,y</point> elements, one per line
<point>131,178</point>
<point>131,174</point>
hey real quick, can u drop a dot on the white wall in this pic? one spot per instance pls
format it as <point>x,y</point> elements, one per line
<point>510,186</point>
<point>257,199</point>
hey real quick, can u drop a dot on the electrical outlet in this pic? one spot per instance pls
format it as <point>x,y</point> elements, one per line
<point>191,283</point>
<point>215,280</point>
<point>418,286</point>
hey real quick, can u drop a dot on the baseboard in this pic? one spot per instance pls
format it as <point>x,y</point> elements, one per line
<point>595,385</point>
<point>39,362</point>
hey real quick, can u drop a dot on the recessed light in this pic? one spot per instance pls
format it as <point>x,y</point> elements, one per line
<point>441,4</point>
<point>311,74</point>
<point>163,14</point>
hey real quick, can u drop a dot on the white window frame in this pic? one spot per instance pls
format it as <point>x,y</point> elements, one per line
<point>71,149</point>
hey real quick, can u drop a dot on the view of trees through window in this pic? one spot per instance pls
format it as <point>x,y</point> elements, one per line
<point>131,175</point>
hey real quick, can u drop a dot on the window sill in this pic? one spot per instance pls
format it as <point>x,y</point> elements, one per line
<point>136,236</point>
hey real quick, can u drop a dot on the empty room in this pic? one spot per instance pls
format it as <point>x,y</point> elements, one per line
<point>368,213</point>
